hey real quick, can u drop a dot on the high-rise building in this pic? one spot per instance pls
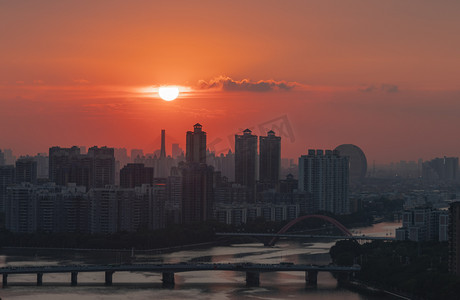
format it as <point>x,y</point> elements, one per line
<point>95,169</point>
<point>269,158</point>
<point>42,165</point>
<point>26,170</point>
<point>324,177</point>
<point>10,159</point>
<point>163,146</point>
<point>103,160</point>
<point>7,178</point>
<point>133,175</point>
<point>245,158</point>
<point>454,238</point>
<point>60,163</point>
<point>197,192</point>
<point>21,209</point>
<point>196,145</point>
<point>2,158</point>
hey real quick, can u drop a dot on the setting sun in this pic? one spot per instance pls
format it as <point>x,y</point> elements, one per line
<point>168,93</point>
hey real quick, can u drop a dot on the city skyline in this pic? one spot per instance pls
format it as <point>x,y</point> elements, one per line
<point>380,75</point>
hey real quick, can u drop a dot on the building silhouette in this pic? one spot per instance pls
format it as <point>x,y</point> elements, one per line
<point>197,179</point>
<point>357,160</point>
<point>196,145</point>
<point>269,158</point>
<point>454,238</point>
<point>7,178</point>
<point>246,158</point>
<point>323,176</point>
<point>60,163</point>
<point>163,146</point>
<point>133,175</point>
<point>26,170</point>
<point>2,158</point>
<point>197,192</point>
<point>93,170</point>
<point>441,169</point>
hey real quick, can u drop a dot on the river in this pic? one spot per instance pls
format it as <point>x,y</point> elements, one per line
<point>189,285</point>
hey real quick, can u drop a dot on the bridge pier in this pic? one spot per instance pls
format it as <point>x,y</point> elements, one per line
<point>5,280</point>
<point>252,278</point>
<point>168,279</point>
<point>39,278</point>
<point>108,277</point>
<point>311,277</point>
<point>73,278</point>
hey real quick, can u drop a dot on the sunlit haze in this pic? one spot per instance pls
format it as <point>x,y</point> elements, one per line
<point>382,75</point>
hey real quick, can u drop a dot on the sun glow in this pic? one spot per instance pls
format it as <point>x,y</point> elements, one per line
<point>168,93</point>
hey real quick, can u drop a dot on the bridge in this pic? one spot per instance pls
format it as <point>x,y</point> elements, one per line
<point>307,236</point>
<point>252,270</point>
<point>282,232</point>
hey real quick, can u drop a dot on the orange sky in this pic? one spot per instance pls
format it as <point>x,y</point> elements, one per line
<point>383,75</point>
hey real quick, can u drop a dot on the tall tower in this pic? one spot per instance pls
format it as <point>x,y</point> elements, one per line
<point>269,158</point>
<point>196,145</point>
<point>245,158</point>
<point>163,148</point>
<point>323,175</point>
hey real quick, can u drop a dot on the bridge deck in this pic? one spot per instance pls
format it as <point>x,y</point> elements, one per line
<point>244,267</point>
<point>302,236</point>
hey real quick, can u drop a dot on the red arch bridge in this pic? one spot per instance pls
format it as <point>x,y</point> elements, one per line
<point>282,233</point>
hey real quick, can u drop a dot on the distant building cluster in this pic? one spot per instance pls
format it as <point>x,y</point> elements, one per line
<point>103,190</point>
<point>424,224</point>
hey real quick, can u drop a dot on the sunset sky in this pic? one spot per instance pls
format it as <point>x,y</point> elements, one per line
<point>383,75</point>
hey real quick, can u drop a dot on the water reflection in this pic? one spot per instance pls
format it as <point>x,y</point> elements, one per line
<point>190,285</point>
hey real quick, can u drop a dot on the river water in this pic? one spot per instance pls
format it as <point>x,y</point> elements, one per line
<point>189,285</point>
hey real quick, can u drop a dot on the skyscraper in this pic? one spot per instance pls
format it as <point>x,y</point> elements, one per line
<point>163,146</point>
<point>196,145</point>
<point>197,192</point>
<point>197,179</point>
<point>245,158</point>
<point>324,177</point>
<point>269,158</point>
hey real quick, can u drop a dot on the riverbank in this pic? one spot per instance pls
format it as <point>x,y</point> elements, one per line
<point>365,288</point>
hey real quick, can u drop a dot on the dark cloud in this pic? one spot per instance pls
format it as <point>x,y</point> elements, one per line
<point>388,88</point>
<point>228,84</point>
<point>369,88</point>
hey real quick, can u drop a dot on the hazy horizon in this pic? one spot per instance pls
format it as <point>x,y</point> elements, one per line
<point>381,75</point>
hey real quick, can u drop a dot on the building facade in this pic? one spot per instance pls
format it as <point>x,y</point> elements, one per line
<point>246,159</point>
<point>269,158</point>
<point>323,176</point>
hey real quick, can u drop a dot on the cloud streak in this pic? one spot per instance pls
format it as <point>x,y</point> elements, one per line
<point>385,87</point>
<point>225,83</point>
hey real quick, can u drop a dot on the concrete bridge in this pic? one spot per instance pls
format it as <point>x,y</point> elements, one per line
<point>252,271</point>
